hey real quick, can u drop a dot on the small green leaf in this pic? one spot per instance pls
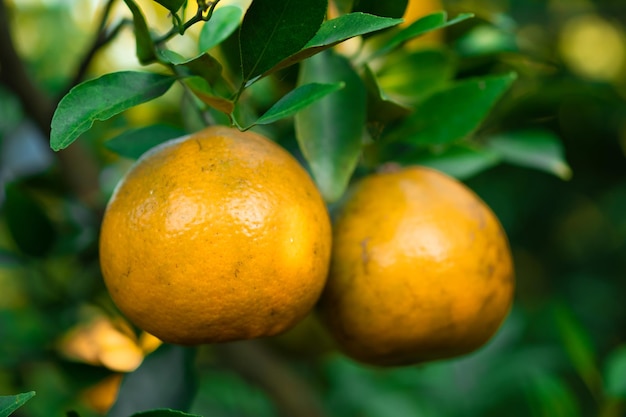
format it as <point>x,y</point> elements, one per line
<point>410,77</point>
<point>165,379</point>
<point>296,100</point>
<point>380,107</point>
<point>29,225</point>
<point>10,403</point>
<point>171,5</point>
<point>273,30</point>
<point>203,65</point>
<point>452,114</point>
<point>538,149</point>
<point>101,99</point>
<point>134,143</point>
<point>330,130</point>
<point>223,23</point>
<point>203,90</point>
<point>336,31</point>
<point>145,45</point>
<point>434,21</point>
<point>163,412</point>
<point>459,161</point>
<point>615,373</point>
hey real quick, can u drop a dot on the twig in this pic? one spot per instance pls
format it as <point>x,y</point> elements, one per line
<point>78,167</point>
<point>253,361</point>
<point>102,38</point>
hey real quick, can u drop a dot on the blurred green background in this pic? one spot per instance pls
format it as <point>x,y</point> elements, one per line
<point>561,352</point>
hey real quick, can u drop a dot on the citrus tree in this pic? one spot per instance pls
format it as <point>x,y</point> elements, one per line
<point>190,197</point>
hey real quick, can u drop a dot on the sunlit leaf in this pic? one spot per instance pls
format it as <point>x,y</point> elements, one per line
<point>336,31</point>
<point>486,39</point>
<point>410,77</point>
<point>223,23</point>
<point>165,379</point>
<point>10,403</point>
<point>434,21</point>
<point>273,30</point>
<point>133,143</point>
<point>29,225</point>
<point>171,5</point>
<point>615,373</point>
<point>296,100</point>
<point>330,130</point>
<point>145,45</point>
<point>538,149</point>
<point>453,113</point>
<point>101,99</point>
<point>203,65</point>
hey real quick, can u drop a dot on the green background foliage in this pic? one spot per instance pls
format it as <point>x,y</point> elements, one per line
<point>512,100</point>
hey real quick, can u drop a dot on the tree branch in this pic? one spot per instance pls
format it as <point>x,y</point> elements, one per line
<point>78,167</point>
<point>102,38</point>
<point>253,361</point>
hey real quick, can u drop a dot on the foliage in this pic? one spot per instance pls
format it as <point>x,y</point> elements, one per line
<point>503,104</point>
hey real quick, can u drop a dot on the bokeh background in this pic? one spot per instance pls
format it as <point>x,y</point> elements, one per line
<point>561,352</point>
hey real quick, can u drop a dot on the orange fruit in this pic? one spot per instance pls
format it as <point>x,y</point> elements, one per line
<point>420,270</point>
<point>216,236</point>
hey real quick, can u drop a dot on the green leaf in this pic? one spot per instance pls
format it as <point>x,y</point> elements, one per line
<point>537,149</point>
<point>273,30</point>
<point>133,143</point>
<point>203,65</point>
<point>163,412</point>
<point>382,109</point>
<point>410,77</point>
<point>459,161</point>
<point>101,99</point>
<point>145,45</point>
<point>10,403</point>
<point>171,5</point>
<point>296,100</point>
<point>330,130</point>
<point>387,8</point>
<point>336,31</point>
<point>454,113</point>
<point>165,379</point>
<point>203,90</point>
<point>615,373</point>
<point>29,225</point>
<point>434,21</point>
<point>223,23</point>
<point>578,345</point>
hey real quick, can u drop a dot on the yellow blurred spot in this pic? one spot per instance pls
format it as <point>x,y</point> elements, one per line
<point>102,395</point>
<point>593,48</point>
<point>149,343</point>
<point>100,343</point>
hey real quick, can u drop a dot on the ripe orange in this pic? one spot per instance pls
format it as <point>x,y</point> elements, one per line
<point>213,237</point>
<point>420,270</point>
